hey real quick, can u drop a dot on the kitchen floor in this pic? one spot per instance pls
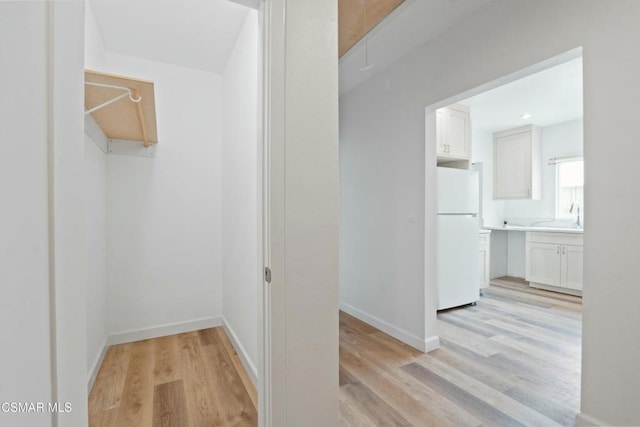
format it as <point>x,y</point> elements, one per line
<point>513,359</point>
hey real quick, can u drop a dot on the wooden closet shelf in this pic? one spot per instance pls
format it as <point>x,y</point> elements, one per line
<point>122,119</point>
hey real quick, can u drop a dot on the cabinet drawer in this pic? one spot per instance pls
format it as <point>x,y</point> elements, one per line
<point>555,238</point>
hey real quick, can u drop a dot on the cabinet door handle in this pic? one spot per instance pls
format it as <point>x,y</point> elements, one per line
<point>564,249</point>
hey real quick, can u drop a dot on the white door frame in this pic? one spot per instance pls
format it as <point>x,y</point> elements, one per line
<point>299,328</point>
<point>430,157</point>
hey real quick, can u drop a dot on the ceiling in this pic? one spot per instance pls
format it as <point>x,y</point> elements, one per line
<point>191,33</point>
<point>551,96</point>
<point>410,25</point>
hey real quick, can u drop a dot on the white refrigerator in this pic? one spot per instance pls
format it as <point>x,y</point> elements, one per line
<point>457,237</point>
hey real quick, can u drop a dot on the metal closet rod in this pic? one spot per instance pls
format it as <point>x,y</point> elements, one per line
<point>128,93</point>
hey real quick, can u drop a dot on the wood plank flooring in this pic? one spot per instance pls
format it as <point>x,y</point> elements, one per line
<point>194,379</point>
<point>512,360</point>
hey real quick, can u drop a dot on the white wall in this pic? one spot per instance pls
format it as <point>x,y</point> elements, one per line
<point>68,197</point>
<point>25,353</point>
<point>240,217</point>
<point>94,49</point>
<point>516,253</point>
<point>381,250</point>
<point>498,254</point>
<point>508,253</point>
<point>383,169</point>
<point>163,213</point>
<point>482,152</point>
<point>95,182</point>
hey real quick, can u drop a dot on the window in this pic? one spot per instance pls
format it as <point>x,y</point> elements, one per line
<point>570,187</point>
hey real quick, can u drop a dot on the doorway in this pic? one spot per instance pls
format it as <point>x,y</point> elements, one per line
<point>522,143</point>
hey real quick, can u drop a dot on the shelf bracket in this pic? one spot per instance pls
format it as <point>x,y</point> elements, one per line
<point>133,97</point>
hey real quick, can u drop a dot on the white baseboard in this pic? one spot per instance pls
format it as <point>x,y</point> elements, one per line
<point>93,373</point>
<point>556,289</point>
<point>163,330</point>
<point>426,345</point>
<point>584,420</point>
<point>431,343</point>
<point>248,364</point>
<point>172,329</point>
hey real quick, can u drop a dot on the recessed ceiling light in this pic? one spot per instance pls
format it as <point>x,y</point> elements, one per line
<point>525,116</point>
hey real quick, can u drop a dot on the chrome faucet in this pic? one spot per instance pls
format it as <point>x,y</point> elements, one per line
<point>576,207</point>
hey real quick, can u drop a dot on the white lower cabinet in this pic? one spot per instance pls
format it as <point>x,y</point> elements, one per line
<point>484,262</point>
<point>554,260</point>
<point>543,263</point>
<point>571,274</point>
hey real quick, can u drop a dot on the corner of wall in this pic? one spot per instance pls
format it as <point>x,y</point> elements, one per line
<point>425,345</point>
<point>431,343</point>
<point>163,330</point>
<point>94,49</point>
<point>95,367</point>
<point>248,364</point>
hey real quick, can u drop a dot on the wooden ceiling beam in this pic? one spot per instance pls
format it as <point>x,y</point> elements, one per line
<point>357,17</point>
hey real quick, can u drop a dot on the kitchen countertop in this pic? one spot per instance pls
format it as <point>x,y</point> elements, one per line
<point>534,228</point>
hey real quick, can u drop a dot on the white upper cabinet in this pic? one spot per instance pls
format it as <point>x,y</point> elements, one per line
<point>517,163</point>
<point>453,130</point>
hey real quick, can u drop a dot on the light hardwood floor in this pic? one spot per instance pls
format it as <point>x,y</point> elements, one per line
<point>193,379</point>
<point>511,360</point>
